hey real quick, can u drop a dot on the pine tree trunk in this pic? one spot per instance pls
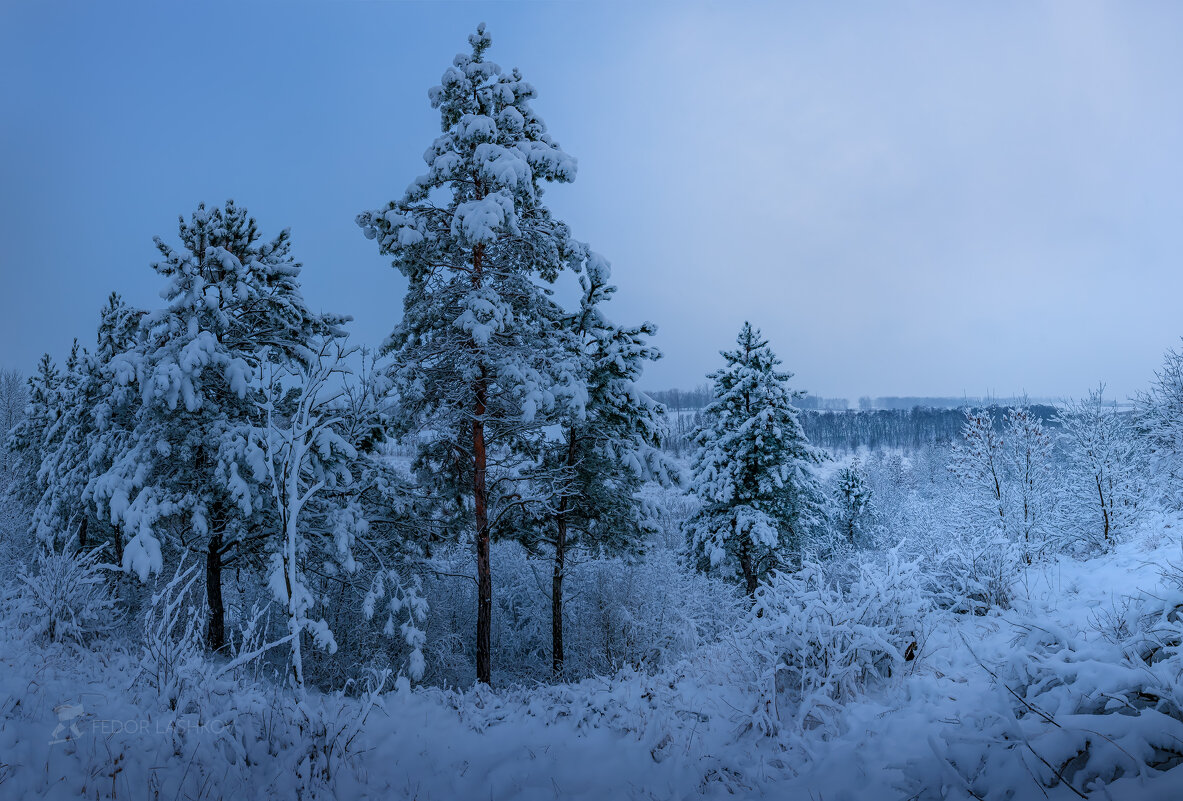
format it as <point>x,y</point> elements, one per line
<point>216,632</point>
<point>556,582</point>
<point>556,596</point>
<point>484,616</point>
<point>749,571</point>
<point>82,534</point>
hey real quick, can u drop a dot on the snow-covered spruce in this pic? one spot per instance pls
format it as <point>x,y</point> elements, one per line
<point>854,505</point>
<point>754,469</point>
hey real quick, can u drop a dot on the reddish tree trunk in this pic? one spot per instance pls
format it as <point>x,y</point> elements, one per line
<point>117,538</point>
<point>556,597</point>
<point>484,615</point>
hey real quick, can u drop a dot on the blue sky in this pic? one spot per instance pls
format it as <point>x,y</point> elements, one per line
<point>915,198</point>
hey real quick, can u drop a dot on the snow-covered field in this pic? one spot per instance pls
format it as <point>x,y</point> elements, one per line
<point>78,722</point>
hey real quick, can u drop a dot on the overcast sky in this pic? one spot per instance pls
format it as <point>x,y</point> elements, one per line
<point>929,198</point>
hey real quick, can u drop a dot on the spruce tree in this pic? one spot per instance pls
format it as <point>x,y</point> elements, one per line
<point>478,355</point>
<point>852,496</point>
<point>761,500</point>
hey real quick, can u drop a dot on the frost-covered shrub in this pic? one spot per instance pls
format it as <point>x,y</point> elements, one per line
<point>973,570</point>
<point>64,597</point>
<point>172,651</point>
<point>14,518</point>
<point>1074,713</point>
<point>642,613</point>
<point>818,642</point>
<point>667,508</point>
<point>327,733</point>
<point>647,613</point>
<point>375,616</point>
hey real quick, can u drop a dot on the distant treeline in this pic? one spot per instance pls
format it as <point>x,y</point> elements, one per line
<point>684,400</point>
<point>909,402</point>
<point>917,427</point>
<point>700,396</point>
<point>851,429</point>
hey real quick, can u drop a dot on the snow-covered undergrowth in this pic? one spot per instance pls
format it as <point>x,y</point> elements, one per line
<point>845,684</point>
<point>62,597</point>
<point>640,613</point>
<point>1084,704</point>
<point>818,642</point>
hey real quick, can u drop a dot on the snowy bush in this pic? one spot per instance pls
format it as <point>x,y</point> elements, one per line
<point>667,509</point>
<point>642,613</point>
<point>385,633</point>
<point>173,653</point>
<point>1077,710</point>
<point>817,643</point>
<point>64,597</point>
<point>13,518</point>
<point>1081,714</point>
<point>327,731</point>
<point>974,570</point>
<point>648,613</point>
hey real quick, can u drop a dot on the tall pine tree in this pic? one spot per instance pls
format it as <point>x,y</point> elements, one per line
<point>478,356</point>
<point>30,439</point>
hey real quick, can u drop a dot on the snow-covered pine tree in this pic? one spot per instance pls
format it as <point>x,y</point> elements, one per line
<point>13,400</point>
<point>59,513</point>
<point>479,359</point>
<point>232,299</point>
<point>592,474</point>
<point>761,499</point>
<point>852,497</point>
<point>57,450</point>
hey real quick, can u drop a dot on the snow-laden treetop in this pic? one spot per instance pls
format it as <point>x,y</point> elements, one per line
<point>493,154</point>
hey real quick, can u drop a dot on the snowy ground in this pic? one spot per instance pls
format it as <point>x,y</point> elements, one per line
<point>79,724</point>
